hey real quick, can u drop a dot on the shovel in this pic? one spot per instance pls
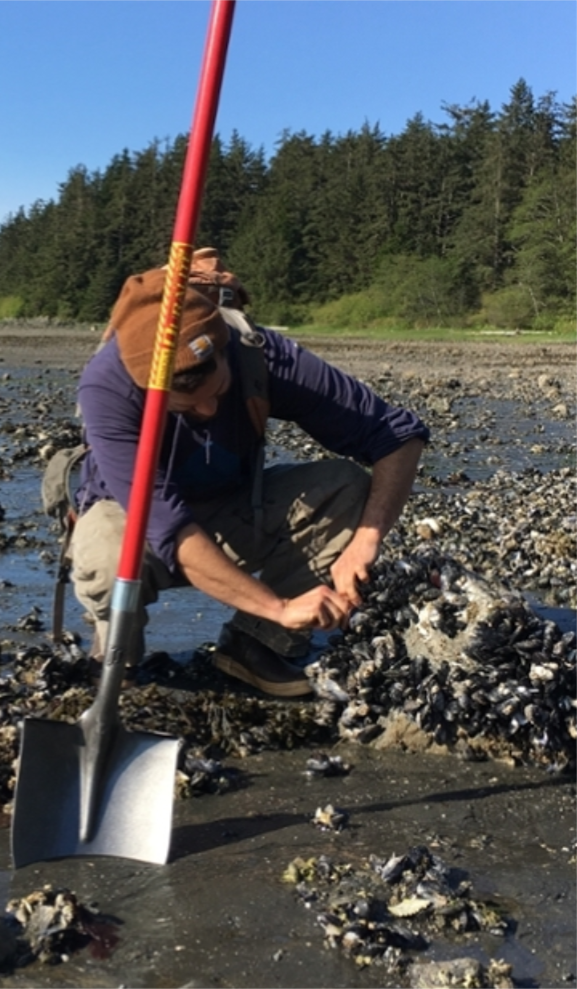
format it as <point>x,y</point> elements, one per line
<point>94,788</point>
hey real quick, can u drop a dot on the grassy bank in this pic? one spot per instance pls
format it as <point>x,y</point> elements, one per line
<point>435,334</point>
<point>375,333</point>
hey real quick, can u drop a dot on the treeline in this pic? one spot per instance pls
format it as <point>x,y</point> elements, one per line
<point>471,220</point>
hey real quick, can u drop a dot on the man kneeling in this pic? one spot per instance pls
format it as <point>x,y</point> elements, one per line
<point>311,532</point>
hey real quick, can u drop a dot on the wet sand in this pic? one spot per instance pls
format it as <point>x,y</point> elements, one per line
<point>218,914</point>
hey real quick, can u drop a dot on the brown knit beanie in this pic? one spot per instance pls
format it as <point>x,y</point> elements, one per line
<point>135,320</point>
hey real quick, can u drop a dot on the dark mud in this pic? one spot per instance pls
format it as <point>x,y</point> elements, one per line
<point>218,914</point>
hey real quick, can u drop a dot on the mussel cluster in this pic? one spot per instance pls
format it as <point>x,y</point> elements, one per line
<point>382,909</point>
<point>437,657</point>
<point>48,925</point>
<point>211,717</point>
<point>466,661</point>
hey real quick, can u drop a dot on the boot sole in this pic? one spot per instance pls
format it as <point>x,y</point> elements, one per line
<point>226,664</point>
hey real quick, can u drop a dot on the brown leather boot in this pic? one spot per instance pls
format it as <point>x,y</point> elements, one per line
<point>247,659</point>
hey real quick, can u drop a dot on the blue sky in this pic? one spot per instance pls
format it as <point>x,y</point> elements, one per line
<point>80,81</point>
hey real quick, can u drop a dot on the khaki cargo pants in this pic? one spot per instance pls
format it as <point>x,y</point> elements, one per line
<point>310,514</point>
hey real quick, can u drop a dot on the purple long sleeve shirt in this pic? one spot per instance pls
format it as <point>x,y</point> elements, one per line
<point>200,460</point>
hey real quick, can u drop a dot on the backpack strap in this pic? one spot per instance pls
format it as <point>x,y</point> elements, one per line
<point>62,578</point>
<point>253,369</point>
<point>254,382</point>
<point>58,502</point>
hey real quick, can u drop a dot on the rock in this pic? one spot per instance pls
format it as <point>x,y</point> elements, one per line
<point>462,973</point>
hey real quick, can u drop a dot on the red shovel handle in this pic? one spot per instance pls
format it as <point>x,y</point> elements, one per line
<point>186,222</point>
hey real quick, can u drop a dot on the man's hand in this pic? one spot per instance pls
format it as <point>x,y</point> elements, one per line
<point>319,608</point>
<point>353,565</point>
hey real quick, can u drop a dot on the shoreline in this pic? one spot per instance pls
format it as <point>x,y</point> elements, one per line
<point>71,346</point>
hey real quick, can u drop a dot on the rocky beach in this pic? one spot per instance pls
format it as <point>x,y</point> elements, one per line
<point>412,824</point>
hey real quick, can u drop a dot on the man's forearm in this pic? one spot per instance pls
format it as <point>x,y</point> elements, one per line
<point>208,569</point>
<point>391,485</point>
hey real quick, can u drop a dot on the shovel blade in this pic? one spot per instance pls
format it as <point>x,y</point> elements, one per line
<point>134,813</point>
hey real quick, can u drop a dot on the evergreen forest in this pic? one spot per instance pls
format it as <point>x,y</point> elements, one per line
<point>467,222</point>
